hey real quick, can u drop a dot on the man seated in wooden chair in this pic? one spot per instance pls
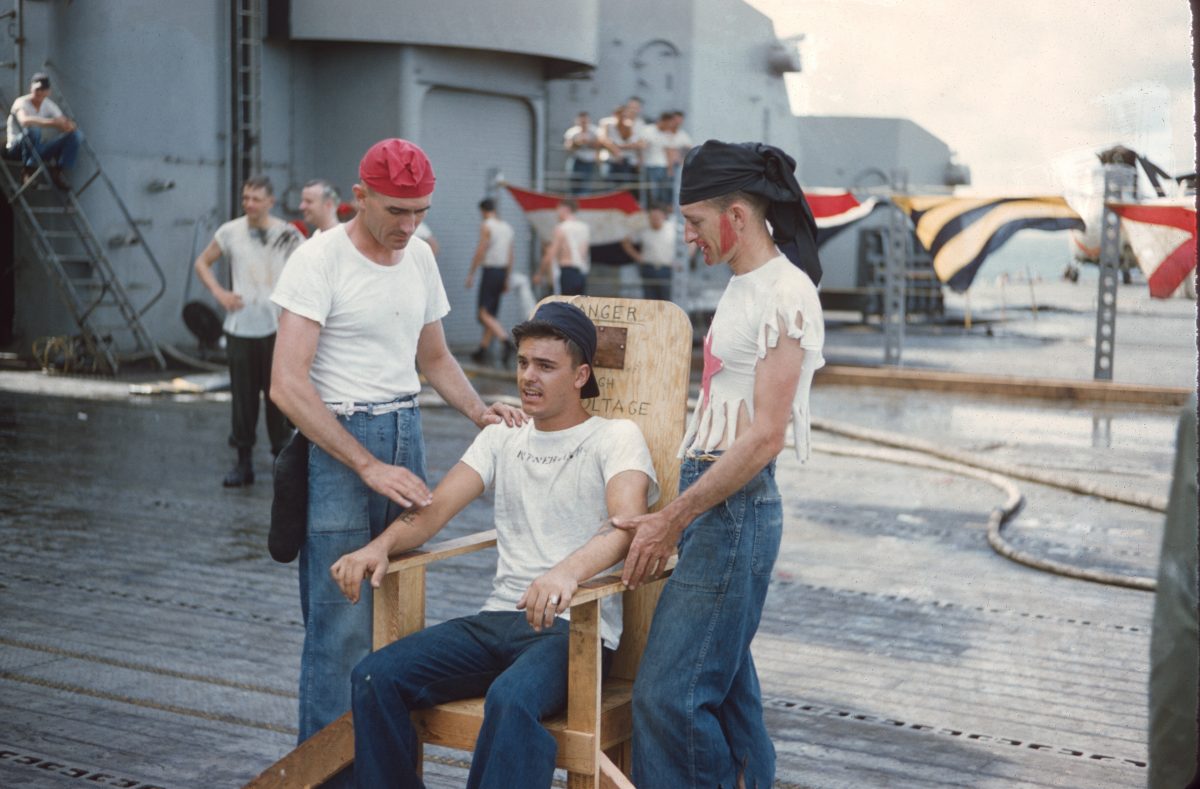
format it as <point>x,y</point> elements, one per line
<point>556,479</point>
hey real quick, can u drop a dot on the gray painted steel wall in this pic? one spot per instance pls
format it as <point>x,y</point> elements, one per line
<point>706,57</point>
<point>543,28</point>
<point>153,103</point>
<point>148,82</point>
<point>851,152</point>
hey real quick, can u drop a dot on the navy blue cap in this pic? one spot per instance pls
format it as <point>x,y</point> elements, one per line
<point>576,325</point>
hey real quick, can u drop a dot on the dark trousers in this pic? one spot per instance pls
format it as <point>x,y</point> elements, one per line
<point>656,281</point>
<point>572,281</point>
<point>250,377</point>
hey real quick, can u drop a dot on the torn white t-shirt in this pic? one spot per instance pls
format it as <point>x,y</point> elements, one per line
<point>745,325</point>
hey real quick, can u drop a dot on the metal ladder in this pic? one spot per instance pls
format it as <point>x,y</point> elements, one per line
<point>247,91</point>
<point>65,243</point>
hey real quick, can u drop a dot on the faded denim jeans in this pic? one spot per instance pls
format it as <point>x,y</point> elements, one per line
<point>343,516</point>
<point>697,706</point>
<point>496,654</point>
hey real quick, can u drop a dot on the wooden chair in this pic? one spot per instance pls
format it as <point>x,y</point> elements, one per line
<point>642,365</point>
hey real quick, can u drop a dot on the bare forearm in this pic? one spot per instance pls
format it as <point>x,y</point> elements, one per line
<point>411,530</point>
<point>449,381</point>
<point>204,272</point>
<point>599,553</point>
<point>414,528</point>
<point>37,120</point>
<point>299,401</point>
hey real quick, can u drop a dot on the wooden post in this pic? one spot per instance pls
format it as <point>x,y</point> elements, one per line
<point>583,688</point>
<point>399,606</point>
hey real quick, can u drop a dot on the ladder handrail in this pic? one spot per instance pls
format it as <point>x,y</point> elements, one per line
<point>99,344</point>
<point>112,189</point>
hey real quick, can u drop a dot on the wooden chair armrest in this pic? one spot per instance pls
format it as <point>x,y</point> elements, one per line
<point>446,549</point>
<point>607,585</point>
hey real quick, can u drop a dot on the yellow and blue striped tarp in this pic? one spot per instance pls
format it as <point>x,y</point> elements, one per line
<point>960,232</point>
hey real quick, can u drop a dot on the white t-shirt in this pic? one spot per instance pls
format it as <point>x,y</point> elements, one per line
<point>609,128</point>
<point>658,246</point>
<point>549,498</point>
<point>500,241</point>
<point>657,143</point>
<point>256,258</point>
<point>49,111</point>
<point>585,152</point>
<point>744,326</point>
<point>371,316</point>
<point>682,141</point>
<point>578,236</point>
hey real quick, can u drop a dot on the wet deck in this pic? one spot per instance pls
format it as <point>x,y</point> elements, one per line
<point>147,639</point>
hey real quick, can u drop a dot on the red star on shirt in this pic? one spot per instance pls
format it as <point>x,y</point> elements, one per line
<point>712,366</point>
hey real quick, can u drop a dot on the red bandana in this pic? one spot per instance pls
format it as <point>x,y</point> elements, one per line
<point>397,168</point>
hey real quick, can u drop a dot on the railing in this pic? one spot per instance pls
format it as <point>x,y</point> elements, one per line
<point>138,239</point>
<point>602,181</point>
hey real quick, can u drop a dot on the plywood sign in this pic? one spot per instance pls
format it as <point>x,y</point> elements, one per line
<point>643,360</point>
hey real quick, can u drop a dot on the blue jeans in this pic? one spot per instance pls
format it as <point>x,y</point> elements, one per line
<point>343,516</point>
<point>581,175</point>
<point>697,706</point>
<point>659,185</point>
<point>60,152</point>
<point>523,674</point>
<point>656,281</point>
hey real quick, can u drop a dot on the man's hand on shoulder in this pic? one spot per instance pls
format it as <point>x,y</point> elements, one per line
<point>501,412</point>
<point>369,562</point>
<point>547,597</point>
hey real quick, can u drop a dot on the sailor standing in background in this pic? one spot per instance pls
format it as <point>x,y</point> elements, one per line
<point>256,246</point>
<point>495,254</point>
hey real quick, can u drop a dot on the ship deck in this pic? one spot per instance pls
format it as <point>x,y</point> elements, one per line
<point>148,640</point>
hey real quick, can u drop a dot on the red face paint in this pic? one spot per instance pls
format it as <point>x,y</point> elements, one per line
<point>728,235</point>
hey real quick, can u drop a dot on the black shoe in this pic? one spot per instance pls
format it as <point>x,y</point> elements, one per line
<point>479,356</point>
<point>509,350</point>
<point>60,180</point>
<point>242,474</point>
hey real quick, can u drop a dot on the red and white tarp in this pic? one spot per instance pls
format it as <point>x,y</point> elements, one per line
<point>615,215</point>
<point>833,207</point>
<point>1162,235</point>
<point>610,217</point>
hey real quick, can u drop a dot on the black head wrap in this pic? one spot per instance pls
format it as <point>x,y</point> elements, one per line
<point>719,168</point>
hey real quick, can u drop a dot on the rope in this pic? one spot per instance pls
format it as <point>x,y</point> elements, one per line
<point>1051,479</point>
<point>999,516</point>
<point>66,354</point>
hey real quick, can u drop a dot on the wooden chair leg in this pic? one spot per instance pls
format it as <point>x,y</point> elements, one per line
<point>611,777</point>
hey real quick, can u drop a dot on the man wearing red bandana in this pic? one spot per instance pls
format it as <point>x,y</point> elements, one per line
<point>362,309</point>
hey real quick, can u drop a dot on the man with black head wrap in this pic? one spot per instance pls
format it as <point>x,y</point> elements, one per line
<point>698,718</point>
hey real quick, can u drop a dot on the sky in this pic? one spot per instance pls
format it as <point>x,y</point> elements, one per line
<point>1024,91</point>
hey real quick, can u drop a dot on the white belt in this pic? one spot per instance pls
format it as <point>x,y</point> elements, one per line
<point>349,408</point>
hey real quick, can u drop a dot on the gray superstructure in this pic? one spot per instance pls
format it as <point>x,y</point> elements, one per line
<point>485,88</point>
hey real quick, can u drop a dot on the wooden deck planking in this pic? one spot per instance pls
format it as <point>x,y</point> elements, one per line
<point>886,604</point>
